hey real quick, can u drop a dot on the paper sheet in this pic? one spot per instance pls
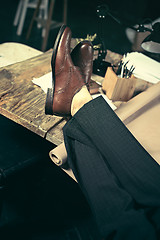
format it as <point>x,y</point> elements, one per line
<point>44,82</point>
<point>145,67</point>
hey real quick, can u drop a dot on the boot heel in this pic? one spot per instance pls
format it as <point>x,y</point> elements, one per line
<point>49,102</point>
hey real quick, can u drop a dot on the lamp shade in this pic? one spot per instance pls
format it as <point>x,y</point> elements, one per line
<point>152,42</point>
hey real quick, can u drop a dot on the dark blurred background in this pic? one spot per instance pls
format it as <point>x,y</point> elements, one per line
<point>83,20</point>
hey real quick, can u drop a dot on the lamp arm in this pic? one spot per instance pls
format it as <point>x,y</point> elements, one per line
<point>140,28</point>
<point>106,11</point>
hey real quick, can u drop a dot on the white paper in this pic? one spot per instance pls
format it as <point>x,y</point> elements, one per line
<point>145,67</point>
<point>44,82</point>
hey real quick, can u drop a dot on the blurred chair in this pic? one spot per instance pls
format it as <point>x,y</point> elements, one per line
<point>48,23</point>
<point>22,10</point>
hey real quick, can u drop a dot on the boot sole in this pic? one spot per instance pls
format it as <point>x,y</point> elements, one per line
<point>50,91</point>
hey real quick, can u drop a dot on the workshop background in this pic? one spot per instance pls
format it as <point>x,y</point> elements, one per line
<point>82,19</point>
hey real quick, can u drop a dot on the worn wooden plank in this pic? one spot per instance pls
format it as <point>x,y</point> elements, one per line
<point>24,102</point>
<point>55,134</point>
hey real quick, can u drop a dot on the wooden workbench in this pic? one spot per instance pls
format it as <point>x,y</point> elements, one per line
<point>23,102</point>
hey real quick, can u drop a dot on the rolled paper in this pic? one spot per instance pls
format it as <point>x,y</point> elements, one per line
<point>59,155</point>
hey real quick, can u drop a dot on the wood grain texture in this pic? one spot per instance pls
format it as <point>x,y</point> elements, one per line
<point>24,102</point>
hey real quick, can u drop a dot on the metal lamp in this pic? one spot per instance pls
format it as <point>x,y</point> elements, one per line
<point>152,42</point>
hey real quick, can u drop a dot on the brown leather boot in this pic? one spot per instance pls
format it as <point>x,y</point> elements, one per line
<point>67,78</point>
<point>82,56</point>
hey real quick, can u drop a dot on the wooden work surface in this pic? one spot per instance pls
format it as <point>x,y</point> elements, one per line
<point>23,102</point>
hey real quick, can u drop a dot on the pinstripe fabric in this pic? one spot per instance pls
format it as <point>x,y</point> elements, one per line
<point>119,178</point>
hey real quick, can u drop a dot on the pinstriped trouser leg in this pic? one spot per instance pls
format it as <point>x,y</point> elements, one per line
<point>118,177</point>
